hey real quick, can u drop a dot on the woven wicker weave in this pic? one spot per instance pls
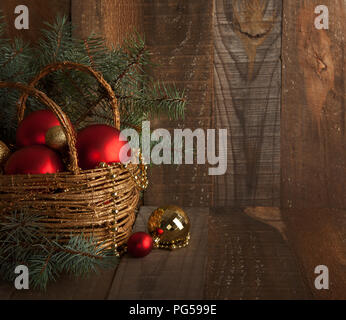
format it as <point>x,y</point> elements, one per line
<point>100,203</point>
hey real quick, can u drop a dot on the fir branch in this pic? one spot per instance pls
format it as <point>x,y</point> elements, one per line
<point>135,62</point>
<point>23,242</point>
<point>52,247</point>
<point>59,37</point>
<point>84,254</point>
<point>46,263</point>
<point>12,57</point>
<point>86,45</point>
<point>125,68</point>
<point>89,110</point>
<point>75,85</point>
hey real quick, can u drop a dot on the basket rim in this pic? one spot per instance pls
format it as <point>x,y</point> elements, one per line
<point>69,173</point>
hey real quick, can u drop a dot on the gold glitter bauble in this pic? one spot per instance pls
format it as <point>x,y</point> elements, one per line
<point>4,153</point>
<point>56,138</point>
<point>170,227</point>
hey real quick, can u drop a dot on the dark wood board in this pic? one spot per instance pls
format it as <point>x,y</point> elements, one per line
<point>187,266</point>
<point>6,290</point>
<point>313,140</point>
<point>248,259</point>
<point>95,287</point>
<point>231,256</point>
<point>247,85</point>
<point>165,274</point>
<point>115,20</point>
<point>39,12</point>
<point>318,237</point>
<point>179,33</point>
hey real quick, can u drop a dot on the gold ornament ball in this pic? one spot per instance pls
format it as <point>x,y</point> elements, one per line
<point>169,225</point>
<point>4,153</point>
<point>56,138</point>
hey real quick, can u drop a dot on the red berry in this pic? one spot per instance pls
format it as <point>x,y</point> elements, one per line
<point>159,231</point>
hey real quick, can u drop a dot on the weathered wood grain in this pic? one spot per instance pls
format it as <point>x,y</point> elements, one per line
<point>115,20</point>
<point>247,83</point>
<point>6,290</point>
<point>95,287</point>
<point>313,156</point>
<point>231,256</point>
<point>248,259</point>
<point>270,216</point>
<point>179,33</point>
<point>39,12</point>
<point>318,237</point>
<point>164,274</point>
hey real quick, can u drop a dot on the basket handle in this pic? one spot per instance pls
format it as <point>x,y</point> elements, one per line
<point>71,66</point>
<point>62,117</point>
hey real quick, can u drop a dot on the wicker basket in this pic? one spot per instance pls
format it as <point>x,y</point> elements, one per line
<point>100,203</point>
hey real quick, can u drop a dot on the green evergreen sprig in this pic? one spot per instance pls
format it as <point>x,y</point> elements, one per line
<point>124,67</point>
<point>23,242</point>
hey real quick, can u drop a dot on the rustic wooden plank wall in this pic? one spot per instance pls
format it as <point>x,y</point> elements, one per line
<point>313,138</point>
<point>115,20</point>
<point>247,80</point>
<point>179,33</point>
<point>247,77</point>
<point>313,143</point>
<point>39,11</point>
<point>318,237</point>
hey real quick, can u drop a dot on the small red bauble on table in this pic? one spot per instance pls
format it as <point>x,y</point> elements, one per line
<point>139,244</point>
<point>33,160</point>
<point>100,143</point>
<point>32,130</point>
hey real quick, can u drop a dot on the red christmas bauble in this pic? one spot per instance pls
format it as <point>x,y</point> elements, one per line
<point>34,160</point>
<point>100,143</point>
<point>139,244</point>
<point>32,130</point>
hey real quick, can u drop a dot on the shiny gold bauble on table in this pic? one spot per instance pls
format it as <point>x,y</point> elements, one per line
<point>4,153</point>
<point>56,138</point>
<point>170,227</point>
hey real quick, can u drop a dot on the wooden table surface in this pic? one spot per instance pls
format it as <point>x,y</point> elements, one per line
<point>233,254</point>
